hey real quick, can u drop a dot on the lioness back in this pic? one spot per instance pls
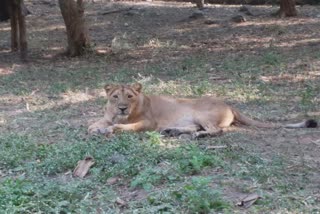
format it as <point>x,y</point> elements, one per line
<point>171,112</point>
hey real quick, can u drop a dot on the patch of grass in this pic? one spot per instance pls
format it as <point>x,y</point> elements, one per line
<point>150,177</point>
<point>58,87</point>
<point>308,95</point>
<point>202,88</point>
<point>15,150</point>
<point>13,84</point>
<point>37,176</point>
<point>199,197</point>
<point>191,159</point>
<point>271,58</point>
<point>51,80</point>
<point>23,195</point>
<point>124,75</point>
<point>277,29</point>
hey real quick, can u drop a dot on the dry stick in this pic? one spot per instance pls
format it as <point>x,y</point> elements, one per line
<point>116,11</point>
<point>216,147</point>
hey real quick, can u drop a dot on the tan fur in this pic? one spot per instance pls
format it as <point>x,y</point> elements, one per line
<point>198,117</point>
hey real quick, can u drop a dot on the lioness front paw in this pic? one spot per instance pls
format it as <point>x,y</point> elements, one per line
<point>109,130</point>
<point>95,130</point>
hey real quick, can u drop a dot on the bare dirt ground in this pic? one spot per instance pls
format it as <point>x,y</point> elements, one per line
<point>267,67</point>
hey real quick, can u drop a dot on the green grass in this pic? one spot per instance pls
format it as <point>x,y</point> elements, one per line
<point>36,180</point>
<point>37,177</point>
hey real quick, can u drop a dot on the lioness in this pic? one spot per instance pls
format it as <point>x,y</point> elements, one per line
<point>130,110</point>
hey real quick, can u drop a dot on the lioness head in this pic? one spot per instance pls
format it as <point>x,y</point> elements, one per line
<point>123,99</point>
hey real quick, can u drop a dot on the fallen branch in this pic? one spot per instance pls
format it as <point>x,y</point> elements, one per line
<point>216,147</point>
<point>247,201</point>
<point>116,11</point>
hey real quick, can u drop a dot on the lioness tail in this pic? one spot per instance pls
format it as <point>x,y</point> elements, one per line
<point>242,119</point>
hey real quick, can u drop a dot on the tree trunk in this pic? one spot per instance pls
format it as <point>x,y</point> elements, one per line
<point>287,8</point>
<point>14,26</point>
<point>200,4</point>
<point>73,15</point>
<point>22,30</point>
<point>18,11</point>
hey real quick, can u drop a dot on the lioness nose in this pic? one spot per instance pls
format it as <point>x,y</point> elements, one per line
<point>123,108</point>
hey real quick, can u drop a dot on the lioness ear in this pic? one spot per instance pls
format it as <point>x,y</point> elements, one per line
<point>108,87</point>
<point>137,87</point>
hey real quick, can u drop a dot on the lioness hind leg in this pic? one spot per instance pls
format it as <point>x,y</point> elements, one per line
<point>176,131</point>
<point>209,129</point>
<point>210,133</point>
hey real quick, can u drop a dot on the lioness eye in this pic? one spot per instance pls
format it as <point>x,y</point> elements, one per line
<point>115,96</point>
<point>129,96</point>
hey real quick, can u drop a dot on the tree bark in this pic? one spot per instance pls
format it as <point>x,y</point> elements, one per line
<point>200,4</point>
<point>287,8</point>
<point>22,31</point>
<point>14,26</point>
<point>17,12</point>
<point>73,15</point>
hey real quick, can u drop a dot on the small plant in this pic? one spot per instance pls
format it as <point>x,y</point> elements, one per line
<point>58,87</point>
<point>307,97</point>
<point>154,137</point>
<point>271,58</point>
<point>147,178</point>
<point>121,44</point>
<point>192,160</point>
<point>199,197</point>
<point>202,88</point>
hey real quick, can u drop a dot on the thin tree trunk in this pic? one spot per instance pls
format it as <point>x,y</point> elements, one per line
<point>22,30</point>
<point>14,26</point>
<point>200,4</point>
<point>73,15</point>
<point>287,8</point>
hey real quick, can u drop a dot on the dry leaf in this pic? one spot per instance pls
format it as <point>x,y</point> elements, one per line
<point>112,180</point>
<point>248,200</point>
<point>121,202</point>
<point>83,167</point>
<point>317,142</point>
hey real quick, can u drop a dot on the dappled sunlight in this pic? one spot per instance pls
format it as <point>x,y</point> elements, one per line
<point>293,78</point>
<point>4,29</point>
<point>9,70</point>
<point>69,97</point>
<point>36,101</point>
<point>58,48</point>
<point>275,24</point>
<point>75,97</point>
<point>300,42</point>
<point>5,71</point>
<point>156,43</point>
<point>158,4</point>
<point>161,19</point>
<point>5,51</point>
<point>101,50</point>
<point>48,28</point>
